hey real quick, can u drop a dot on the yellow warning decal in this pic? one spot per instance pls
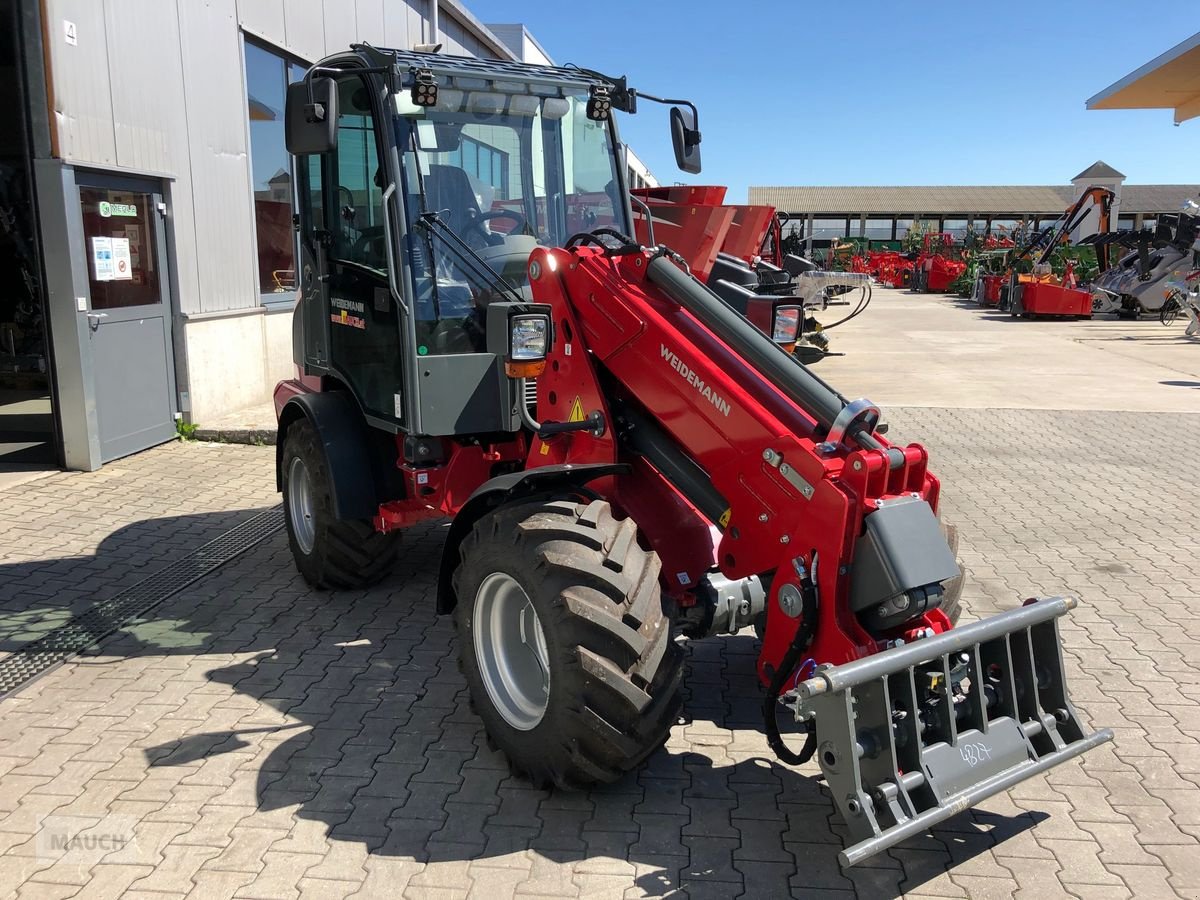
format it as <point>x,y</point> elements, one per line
<point>725,516</point>
<point>576,411</point>
<point>545,451</point>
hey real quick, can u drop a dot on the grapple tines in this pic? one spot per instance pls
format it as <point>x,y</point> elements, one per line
<point>913,735</point>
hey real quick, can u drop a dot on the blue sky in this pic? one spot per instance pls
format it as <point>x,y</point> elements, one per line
<point>873,92</point>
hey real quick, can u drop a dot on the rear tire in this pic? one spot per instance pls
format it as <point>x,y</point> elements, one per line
<point>567,653</point>
<point>329,552</point>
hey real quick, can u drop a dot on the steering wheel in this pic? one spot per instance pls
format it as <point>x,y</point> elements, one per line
<point>363,250</point>
<point>476,224</point>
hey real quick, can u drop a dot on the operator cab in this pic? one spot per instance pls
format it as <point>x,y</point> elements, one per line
<point>424,184</point>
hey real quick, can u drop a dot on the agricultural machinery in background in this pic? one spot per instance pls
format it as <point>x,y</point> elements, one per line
<point>625,459</point>
<point>1042,275</point>
<point>939,264</point>
<point>737,251</point>
<point>1139,282</point>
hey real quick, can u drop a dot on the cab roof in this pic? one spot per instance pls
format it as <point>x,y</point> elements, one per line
<point>474,67</point>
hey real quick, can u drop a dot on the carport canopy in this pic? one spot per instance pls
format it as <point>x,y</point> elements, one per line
<point>1170,81</point>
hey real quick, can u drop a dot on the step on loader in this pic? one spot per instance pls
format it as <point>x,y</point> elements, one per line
<point>623,457</point>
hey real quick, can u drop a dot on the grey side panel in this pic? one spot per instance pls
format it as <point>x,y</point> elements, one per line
<point>463,394</point>
<point>133,385</point>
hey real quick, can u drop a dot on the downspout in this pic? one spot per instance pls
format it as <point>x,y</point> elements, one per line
<point>434,30</point>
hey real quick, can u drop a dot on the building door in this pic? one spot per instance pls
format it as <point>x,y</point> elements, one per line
<point>129,312</point>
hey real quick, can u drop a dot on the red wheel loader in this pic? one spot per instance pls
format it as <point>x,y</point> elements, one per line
<point>625,460</point>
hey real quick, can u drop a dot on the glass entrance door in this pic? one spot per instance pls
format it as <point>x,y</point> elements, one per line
<point>129,313</point>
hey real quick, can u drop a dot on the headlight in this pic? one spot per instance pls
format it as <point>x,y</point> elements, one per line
<point>528,343</point>
<point>528,338</point>
<point>786,326</point>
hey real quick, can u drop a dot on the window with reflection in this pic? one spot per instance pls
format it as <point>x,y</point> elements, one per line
<point>267,75</point>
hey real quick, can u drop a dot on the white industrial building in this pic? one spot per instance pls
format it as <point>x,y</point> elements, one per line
<point>147,254</point>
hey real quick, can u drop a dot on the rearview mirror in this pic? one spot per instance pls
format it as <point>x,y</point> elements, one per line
<point>310,117</point>
<point>685,139</point>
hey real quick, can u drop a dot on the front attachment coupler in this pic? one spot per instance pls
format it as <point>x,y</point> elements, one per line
<point>911,736</point>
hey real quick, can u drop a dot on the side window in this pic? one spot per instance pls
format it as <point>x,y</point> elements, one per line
<point>312,185</point>
<point>358,225</point>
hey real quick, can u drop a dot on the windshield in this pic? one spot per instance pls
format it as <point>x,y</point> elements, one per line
<point>505,172</point>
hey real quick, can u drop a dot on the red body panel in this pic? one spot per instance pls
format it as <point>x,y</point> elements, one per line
<point>943,272</point>
<point>1042,299</point>
<point>991,289</point>
<point>717,406</point>
<point>695,231</point>
<point>748,230</point>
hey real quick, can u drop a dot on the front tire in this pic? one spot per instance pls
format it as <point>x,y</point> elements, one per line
<point>567,653</point>
<point>329,552</point>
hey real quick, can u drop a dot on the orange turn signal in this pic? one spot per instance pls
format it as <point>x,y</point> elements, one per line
<point>525,369</point>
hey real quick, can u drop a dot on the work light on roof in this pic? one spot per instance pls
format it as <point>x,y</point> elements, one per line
<point>424,88</point>
<point>599,105</point>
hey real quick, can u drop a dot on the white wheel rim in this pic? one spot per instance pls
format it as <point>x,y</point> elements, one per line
<point>300,505</point>
<point>510,647</point>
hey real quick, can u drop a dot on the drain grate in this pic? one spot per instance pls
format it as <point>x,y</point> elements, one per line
<point>39,656</point>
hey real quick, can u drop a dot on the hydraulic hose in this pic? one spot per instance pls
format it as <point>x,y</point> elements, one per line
<point>800,641</point>
<point>864,301</point>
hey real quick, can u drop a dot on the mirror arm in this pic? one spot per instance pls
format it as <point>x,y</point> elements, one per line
<point>692,134</point>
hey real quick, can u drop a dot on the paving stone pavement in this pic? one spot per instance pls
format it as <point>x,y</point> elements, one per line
<point>253,738</point>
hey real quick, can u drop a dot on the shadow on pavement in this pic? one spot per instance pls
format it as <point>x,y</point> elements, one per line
<point>381,747</point>
<point>360,721</point>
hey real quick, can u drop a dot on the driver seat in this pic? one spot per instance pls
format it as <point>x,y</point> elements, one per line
<point>448,191</point>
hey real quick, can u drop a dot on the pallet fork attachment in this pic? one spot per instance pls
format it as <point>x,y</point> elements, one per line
<point>913,735</point>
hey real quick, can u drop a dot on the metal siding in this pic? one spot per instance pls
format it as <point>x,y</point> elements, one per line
<point>83,117</point>
<point>395,25</point>
<point>148,113</point>
<point>460,41</point>
<point>216,111</point>
<point>151,123</point>
<point>304,22</point>
<point>417,24</point>
<point>370,22</point>
<point>263,18</point>
<point>341,25</point>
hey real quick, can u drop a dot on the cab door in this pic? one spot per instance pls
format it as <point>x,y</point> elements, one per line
<point>353,328</point>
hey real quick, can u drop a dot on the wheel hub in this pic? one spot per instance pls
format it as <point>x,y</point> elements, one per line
<point>300,504</point>
<point>510,646</point>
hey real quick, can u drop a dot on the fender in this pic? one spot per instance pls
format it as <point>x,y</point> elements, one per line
<point>346,440</point>
<point>501,489</point>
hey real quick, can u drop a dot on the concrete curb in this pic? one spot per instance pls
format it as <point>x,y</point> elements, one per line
<point>255,436</point>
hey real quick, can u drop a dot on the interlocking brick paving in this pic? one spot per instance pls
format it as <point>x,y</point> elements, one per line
<point>255,738</point>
